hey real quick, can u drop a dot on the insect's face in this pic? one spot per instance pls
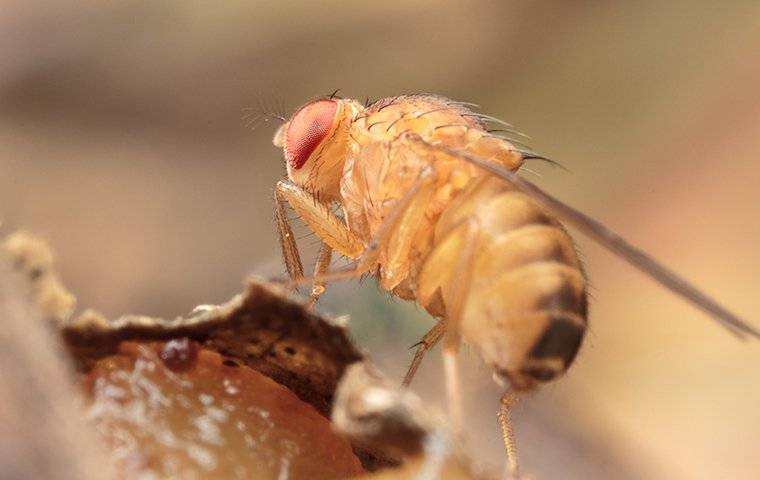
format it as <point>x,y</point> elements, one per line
<point>314,143</point>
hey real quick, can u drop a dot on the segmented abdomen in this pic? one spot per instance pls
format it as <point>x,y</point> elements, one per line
<point>525,300</point>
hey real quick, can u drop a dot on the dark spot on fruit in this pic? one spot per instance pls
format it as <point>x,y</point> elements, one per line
<point>290,350</point>
<point>179,354</point>
<point>230,363</point>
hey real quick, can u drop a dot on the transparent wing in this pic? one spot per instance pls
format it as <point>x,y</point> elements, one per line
<point>612,241</point>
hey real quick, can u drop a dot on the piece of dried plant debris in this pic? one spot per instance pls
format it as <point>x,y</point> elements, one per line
<point>32,256</point>
<point>381,416</point>
<point>389,420</point>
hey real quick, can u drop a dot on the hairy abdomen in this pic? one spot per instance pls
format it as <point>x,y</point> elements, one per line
<point>522,285</point>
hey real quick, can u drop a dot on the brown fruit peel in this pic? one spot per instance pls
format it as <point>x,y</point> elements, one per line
<point>263,328</point>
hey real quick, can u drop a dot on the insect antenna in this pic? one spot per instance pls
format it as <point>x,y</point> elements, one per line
<point>267,109</point>
<point>279,106</point>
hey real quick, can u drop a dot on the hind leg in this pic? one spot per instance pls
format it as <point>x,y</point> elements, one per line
<point>427,342</point>
<point>459,292</point>
<point>508,400</point>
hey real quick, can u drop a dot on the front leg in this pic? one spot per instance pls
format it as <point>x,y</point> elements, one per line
<point>392,235</point>
<point>320,219</point>
<point>323,222</point>
<point>288,246</point>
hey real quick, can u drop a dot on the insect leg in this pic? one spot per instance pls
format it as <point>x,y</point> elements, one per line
<point>288,244</point>
<point>427,342</point>
<point>401,215</point>
<point>453,390</point>
<point>324,223</point>
<point>455,299</point>
<point>396,232</point>
<point>508,400</point>
<point>323,264</point>
<point>320,219</point>
<point>437,272</point>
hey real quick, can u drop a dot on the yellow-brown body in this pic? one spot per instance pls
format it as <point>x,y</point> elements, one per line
<point>525,306</point>
<point>449,234</point>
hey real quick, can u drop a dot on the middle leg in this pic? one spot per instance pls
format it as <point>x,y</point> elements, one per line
<point>333,232</point>
<point>405,212</point>
<point>323,264</point>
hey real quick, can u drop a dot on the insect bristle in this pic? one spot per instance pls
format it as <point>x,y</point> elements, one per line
<point>488,119</point>
<point>465,104</point>
<point>509,131</point>
<point>532,172</point>
<point>531,155</point>
<point>514,141</point>
<point>334,94</point>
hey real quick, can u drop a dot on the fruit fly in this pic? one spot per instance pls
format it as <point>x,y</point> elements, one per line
<point>431,205</point>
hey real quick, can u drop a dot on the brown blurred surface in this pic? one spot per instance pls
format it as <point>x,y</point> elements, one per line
<point>121,140</point>
<point>42,434</point>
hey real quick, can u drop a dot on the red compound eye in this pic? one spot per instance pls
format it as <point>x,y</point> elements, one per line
<point>308,127</point>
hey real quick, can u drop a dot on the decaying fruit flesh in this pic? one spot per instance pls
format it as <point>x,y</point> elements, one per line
<point>175,409</point>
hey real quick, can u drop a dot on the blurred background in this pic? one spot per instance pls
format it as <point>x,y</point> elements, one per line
<point>122,140</point>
